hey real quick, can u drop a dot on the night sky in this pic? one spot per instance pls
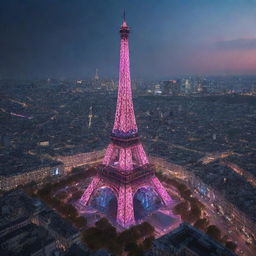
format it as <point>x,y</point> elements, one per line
<point>69,39</point>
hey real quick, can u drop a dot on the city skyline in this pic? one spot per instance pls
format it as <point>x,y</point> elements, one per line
<point>68,40</point>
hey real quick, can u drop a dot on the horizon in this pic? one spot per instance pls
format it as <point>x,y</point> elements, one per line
<point>70,40</point>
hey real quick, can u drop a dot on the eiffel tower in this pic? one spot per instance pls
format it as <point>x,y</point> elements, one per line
<point>125,168</point>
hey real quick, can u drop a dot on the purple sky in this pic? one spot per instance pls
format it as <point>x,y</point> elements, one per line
<point>70,39</point>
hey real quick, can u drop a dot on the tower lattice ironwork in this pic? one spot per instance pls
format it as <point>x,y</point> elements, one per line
<point>125,167</point>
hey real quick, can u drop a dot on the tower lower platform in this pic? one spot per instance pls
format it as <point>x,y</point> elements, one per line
<point>125,192</point>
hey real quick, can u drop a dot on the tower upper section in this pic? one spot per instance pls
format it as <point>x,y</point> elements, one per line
<point>125,123</point>
<point>124,30</point>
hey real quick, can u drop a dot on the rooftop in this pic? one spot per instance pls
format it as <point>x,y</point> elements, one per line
<point>188,237</point>
<point>58,224</point>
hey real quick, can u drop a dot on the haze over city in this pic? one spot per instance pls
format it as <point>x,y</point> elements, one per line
<point>70,39</point>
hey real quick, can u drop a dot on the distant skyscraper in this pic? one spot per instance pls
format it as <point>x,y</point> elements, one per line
<point>90,118</point>
<point>96,75</point>
<point>187,86</point>
<point>125,169</point>
<point>171,87</point>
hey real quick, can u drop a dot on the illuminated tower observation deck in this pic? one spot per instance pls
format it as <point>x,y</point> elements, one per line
<point>125,167</point>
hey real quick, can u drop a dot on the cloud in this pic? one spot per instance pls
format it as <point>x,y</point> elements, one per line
<point>237,44</point>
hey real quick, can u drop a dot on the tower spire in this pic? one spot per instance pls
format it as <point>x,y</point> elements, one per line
<point>125,122</point>
<point>124,16</point>
<point>124,26</point>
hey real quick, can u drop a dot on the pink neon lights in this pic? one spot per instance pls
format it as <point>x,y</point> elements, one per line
<point>108,154</point>
<point>124,25</point>
<point>159,188</point>
<point>88,192</point>
<point>125,153</point>
<point>125,159</point>
<point>142,159</point>
<point>124,118</point>
<point>125,212</point>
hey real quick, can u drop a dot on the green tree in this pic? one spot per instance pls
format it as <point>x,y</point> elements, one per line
<point>80,222</point>
<point>147,243</point>
<point>126,236</point>
<point>201,224</point>
<point>62,195</point>
<point>181,187</point>
<point>196,202</point>
<point>77,169</point>
<point>68,210</point>
<point>224,239</point>
<point>231,246</point>
<point>194,213</point>
<point>181,208</point>
<point>103,224</point>
<point>145,229</point>
<point>92,238</point>
<point>214,232</point>
<point>133,249</point>
<point>186,194</point>
<point>77,195</point>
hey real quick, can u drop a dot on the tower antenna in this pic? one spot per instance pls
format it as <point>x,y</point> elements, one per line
<point>124,15</point>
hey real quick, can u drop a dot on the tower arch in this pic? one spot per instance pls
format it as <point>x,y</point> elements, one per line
<point>145,201</point>
<point>104,199</point>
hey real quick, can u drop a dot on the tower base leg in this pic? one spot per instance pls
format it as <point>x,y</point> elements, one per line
<point>125,211</point>
<point>160,189</point>
<point>88,192</point>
